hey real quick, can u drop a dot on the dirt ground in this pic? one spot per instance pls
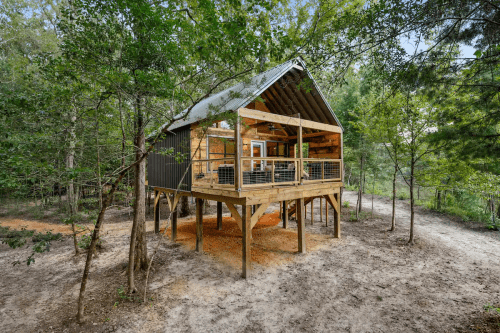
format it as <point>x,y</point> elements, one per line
<point>368,281</point>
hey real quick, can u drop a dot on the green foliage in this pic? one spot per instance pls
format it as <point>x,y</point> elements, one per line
<point>18,238</point>
<point>85,240</point>
<point>488,307</point>
<point>345,204</point>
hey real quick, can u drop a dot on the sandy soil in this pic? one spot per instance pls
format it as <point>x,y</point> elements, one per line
<point>369,281</point>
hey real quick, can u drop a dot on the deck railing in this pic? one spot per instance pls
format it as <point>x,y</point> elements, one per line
<point>265,171</point>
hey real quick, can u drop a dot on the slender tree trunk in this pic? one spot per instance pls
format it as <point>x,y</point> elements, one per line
<point>393,219</point>
<point>184,211</point>
<point>70,161</point>
<point>99,185</point>
<point>360,192</point>
<point>138,243</point>
<point>412,202</point>
<point>438,201</point>
<point>373,190</point>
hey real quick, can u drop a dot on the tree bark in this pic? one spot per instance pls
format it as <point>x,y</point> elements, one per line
<point>184,211</point>
<point>70,163</point>
<point>412,201</point>
<point>138,244</point>
<point>393,219</point>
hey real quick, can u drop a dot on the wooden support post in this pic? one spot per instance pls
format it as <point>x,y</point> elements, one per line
<point>285,214</point>
<point>174,224</point>
<point>326,212</point>
<point>301,155</point>
<point>238,181</point>
<point>336,216</point>
<point>246,241</point>
<point>312,211</point>
<point>157,211</point>
<point>199,225</point>
<point>219,215</point>
<point>281,210</point>
<point>301,225</point>
<point>320,209</point>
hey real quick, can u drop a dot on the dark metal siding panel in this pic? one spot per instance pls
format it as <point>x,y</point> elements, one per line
<point>164,171</point>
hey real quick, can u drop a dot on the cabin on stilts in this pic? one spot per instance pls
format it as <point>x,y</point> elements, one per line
<point>284,146</point>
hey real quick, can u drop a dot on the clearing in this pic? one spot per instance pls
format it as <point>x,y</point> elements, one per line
<point>369,281</point>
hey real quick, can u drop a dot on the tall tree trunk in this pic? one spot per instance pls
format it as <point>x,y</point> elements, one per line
<point>70,163</point>
<point>438,200</point>
<point>412,201</point>
<point>361,182</point>
<point>138,243</point>
<point>393,219</point>
<point>98,162</point>
<point>184,211</point>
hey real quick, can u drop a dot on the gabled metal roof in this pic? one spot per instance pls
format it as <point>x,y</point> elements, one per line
<point>243,93</point>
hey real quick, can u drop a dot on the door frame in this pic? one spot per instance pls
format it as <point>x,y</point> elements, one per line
<point>263,152</point>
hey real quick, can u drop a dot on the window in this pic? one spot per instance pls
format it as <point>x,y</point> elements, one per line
<point>219,147</point>
<point>277,149</point>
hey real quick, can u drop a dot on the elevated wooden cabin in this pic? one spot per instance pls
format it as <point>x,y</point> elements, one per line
<point>287,148</point>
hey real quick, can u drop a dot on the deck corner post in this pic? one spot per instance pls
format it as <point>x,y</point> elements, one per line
<point>219,215</point>
<point>156,210</point>
<point>301,225</point>
<point>246,240</point>
<point>238,181</point>
<point>336,216</point>
<point>199,225</point>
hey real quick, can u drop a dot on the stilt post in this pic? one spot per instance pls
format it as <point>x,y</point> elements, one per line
<point>320,209</point>
<point>219,215</point>
<point>199,225</point>
<point>336,216</point>
<point>301,225</point>
<point>312,211</point>
<point>285,214</point>
<point>247,241</point>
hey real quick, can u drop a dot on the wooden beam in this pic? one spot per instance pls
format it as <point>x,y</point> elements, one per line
<point>157,211</point>
<point>236,214</point>
<point>219,215</point>
<point>320,209</point>
<point>331,199</point>
<point>284,216</point>
<point>238,181</point>
<point>336,217</point>
<point>301,155</point>
<point>326,214</point>
<point>258,213</point>
<point>301,225</point>
<point>199,225</point>
<point>311,135</point>
<point>276,118</point>
<point>246,242</point>
<point>312,211</point>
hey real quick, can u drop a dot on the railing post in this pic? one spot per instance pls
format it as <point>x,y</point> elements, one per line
<point>301,155</point>
<point>237,153</point>
<point>323,170</point>
<point>272,171</point>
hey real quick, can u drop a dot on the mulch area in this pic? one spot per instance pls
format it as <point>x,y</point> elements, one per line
<point>18,224</point>
<point>271,244</point>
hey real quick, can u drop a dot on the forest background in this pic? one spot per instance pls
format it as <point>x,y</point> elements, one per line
<point>83,83</point>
